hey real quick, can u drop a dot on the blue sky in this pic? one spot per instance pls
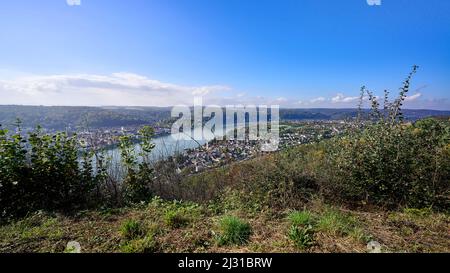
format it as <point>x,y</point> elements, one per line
<point>303,53</point>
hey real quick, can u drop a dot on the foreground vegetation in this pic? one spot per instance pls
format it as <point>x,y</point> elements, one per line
<point>145,229</point>
<point>386,182</point>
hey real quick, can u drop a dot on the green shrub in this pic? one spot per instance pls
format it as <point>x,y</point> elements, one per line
<point>45,172</point>
<point>57,172</point>
<point>131,229</point>
<point>303,237</point>
<point>138,166</point>
<point>233,231</point>
<point>394,166</point>
<point>390,162</point>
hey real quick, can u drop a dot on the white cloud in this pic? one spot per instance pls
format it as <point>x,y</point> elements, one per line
<point>413,97</point>
<point>319,99</point>
<point>94,90</point>
<point>342,98</point>
<point>128,89</point>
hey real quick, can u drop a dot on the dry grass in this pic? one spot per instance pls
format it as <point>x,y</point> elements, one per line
<point>100,232</point>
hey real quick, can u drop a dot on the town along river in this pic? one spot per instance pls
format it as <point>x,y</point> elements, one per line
<point>165,146</point>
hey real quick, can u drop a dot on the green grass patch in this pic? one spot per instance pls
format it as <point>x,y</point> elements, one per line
<point>301,218</point>
<point>176,214</point>
<point>233,231</point>
<point>39,225</point>
<point>415,213</point>
<point>131,229</point>
<point>335,222</point>
<point>301,231</point>
<point>176,219</point>
<point>303,237</point>
<point>148,244</point>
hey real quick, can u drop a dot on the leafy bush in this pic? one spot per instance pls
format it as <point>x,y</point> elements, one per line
<point>138,168</point>
<point>233,231</point>
<point>44,172</point>
<point>56,172</point>
<point>391,162</point>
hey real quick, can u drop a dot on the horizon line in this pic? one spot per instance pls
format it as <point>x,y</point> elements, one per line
<point>150,106</point>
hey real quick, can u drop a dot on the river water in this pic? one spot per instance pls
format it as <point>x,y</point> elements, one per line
<point>169,145</point>
<point>165,146</point>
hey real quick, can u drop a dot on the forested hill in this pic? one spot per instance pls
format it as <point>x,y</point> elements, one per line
<point>339,114</point>
<point>62,117</point>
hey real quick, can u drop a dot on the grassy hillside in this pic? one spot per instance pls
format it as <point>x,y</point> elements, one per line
<point>239,208</point>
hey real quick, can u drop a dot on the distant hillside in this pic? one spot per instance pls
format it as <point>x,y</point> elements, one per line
<point>338,114</point>
<point>62,117</point>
